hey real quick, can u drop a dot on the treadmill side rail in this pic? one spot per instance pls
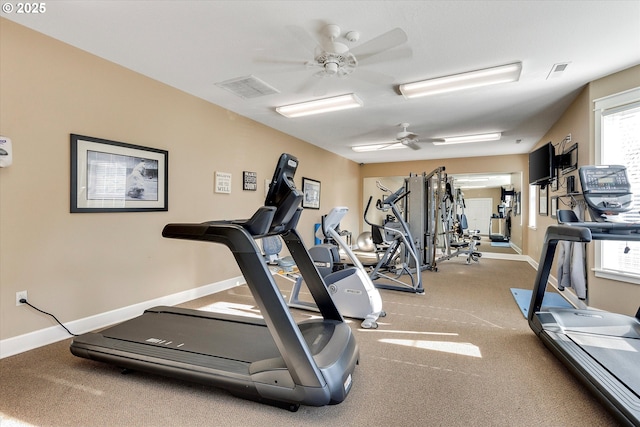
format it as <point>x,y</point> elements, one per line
<point>553,235</point>
<point>566,331</point>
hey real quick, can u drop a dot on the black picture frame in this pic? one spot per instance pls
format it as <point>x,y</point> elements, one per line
<point>112,176</point>
<point>311,192</point>
<point>249,181</point>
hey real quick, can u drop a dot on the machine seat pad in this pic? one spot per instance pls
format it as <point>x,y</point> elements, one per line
<point>459,244</point>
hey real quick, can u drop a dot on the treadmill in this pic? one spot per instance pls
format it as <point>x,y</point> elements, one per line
<point>272,360</point>
<point>602,349</point>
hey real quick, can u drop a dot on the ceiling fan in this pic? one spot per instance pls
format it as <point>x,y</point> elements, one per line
<point>333,58</point>
<point>404,138</point>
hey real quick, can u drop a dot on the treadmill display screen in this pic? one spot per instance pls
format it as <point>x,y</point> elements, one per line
<point>604,179</point>
<point>282,181</point>
<point>283,193</point>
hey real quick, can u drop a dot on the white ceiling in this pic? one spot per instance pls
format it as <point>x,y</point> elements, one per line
<point>192,45</point>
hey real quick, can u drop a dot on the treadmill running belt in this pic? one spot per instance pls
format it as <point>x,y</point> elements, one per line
<point>198,335</point>
<point>620,356</point>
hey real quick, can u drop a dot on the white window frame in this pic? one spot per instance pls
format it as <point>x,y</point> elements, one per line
<point>601,107</point>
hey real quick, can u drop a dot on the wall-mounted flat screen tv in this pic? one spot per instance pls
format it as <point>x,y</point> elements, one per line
<point>542,165</point>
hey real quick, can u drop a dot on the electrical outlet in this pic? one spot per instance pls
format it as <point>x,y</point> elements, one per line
<point>19,296</point>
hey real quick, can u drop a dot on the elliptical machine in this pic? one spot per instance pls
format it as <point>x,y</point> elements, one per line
<point>401,256</point>
<point>351,288</point>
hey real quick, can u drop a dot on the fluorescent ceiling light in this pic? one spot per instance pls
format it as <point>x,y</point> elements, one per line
<point>488,76</point>
<point>319,106</point>
<point>472,186</point>
<point>378,147</point>
<point>469,138</point>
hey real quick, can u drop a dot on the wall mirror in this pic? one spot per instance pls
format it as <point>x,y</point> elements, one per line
<point>482,195</point>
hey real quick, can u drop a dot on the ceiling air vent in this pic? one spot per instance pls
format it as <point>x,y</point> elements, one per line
<point>248,87</point>
<point>557,70</point>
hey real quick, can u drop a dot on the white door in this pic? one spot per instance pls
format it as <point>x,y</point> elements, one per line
<point>478,212</point>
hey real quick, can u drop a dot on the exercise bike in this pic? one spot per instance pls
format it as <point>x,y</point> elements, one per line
<point>401,256</point>
<point>351,288</point>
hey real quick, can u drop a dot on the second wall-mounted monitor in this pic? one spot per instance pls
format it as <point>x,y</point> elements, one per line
<point>568,161</point>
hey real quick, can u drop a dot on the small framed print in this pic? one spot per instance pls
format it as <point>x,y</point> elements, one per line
<point>249,181</point>
<point>223,182</point>
<point>311,191</point>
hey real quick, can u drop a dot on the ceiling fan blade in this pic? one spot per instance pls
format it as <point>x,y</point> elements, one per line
<point>387,56</point>
<point>304,38</point>
<point>281,65</point>
<point>383,42</point>
<point>411,144</point>
<point>389,145</point>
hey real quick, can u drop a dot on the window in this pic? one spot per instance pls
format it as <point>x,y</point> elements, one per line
<point>617,135</point>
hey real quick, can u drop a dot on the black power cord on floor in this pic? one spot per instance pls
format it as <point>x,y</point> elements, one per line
<point>24,301</point>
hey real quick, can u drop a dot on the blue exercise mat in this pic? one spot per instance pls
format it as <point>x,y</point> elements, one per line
<point>551,299</point>
<point>501,244</point>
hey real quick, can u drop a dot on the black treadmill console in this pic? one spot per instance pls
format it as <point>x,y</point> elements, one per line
<point>283,193</point>
<point>606,190</point>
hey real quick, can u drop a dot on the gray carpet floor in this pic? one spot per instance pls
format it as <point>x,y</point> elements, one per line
<point>460,355</point>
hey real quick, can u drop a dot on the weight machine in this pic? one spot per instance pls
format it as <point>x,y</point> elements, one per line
<point>433,216</point>
<point>458,238</point>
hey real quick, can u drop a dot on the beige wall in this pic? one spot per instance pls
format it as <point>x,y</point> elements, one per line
<point>578,120</point>
<point>79,265</point>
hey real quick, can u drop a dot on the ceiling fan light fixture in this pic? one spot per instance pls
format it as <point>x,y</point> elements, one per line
<point>331,68</point>
<point>319,106</point>
<point>494,136</point>
<point>377,147</point>
<point>471,79</point>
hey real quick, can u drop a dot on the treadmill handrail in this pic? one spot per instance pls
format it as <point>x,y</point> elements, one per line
<point>257,225</point>
<point>553,235</point>
<point>593,369</point>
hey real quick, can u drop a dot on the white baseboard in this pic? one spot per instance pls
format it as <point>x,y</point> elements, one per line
<point>42,337</point>
<point>510,257</point>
